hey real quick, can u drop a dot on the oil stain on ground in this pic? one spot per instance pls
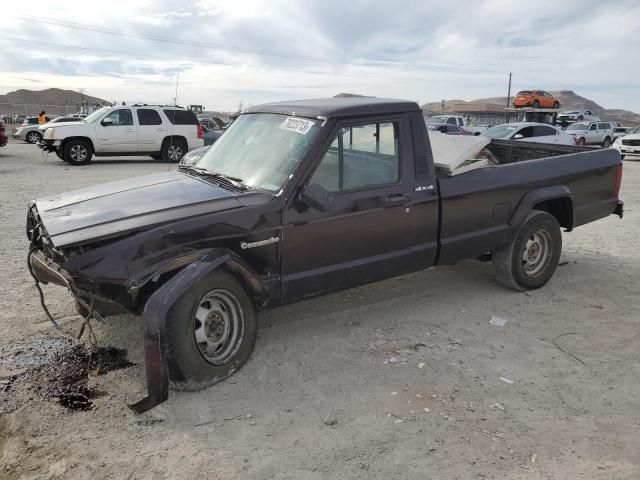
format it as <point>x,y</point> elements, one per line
<point>65,378</point>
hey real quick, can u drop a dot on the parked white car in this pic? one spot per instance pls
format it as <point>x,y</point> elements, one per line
<point>51,123</point>
<point>529,132</point>
<point>565,118</point>
<point>591,133</point>
<point>629,144</point>
<point>162,132</point>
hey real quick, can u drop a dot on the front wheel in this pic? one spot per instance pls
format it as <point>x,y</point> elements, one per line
<point>211,332</point>
<point>606,142</point>
<point>582,142</point>
<point>556,105</point>
<point>33,137</point>
<point>529,260</point>
<point>77,152</point>
<point>536,104</point>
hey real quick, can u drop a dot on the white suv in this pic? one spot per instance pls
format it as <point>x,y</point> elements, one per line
<point>591,133</point>
<point>162,132</point>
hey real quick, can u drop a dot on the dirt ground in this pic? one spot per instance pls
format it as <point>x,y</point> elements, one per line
<point>395,380</point>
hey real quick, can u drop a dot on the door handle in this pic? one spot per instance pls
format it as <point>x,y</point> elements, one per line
<point>130,130</point>
<point>397,199</point>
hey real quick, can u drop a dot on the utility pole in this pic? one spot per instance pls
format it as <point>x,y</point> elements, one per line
<point>442,105</point>
<point>506,112</point>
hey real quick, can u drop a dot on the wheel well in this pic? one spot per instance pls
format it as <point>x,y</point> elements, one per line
<point>84,139</point>
<point>561,208</point>
<point>174,139</point>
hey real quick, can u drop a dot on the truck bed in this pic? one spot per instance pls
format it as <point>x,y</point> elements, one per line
<point>478,206</point>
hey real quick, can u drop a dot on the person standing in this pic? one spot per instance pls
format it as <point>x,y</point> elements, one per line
<point>42,118</point>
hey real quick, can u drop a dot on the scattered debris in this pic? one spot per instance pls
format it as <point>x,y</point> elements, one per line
<point>330,419</point>
<point>553,340</point>
<point>420,365</point>
<point>426,410</point>
<point>393,394</point>
<point>562,264</point>
<point>497,405</point>
<point>506,380</point>
<point>534,457</point>
<point>497,321</point>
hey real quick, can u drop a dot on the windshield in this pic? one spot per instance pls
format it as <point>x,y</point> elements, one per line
<point>437,120</point>
<point>261,149</point>
<point>95,115</point>
<point>578,126</point>
<point>500,131</point>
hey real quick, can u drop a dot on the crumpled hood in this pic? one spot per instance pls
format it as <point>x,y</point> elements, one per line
<point>137,203</point>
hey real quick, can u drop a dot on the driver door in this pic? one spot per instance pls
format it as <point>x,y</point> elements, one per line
<point>368,228</point>
<point>119,136</point>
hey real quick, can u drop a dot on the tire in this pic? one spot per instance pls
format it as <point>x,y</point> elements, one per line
<point>529,260</point>
<point>536,104</point>
<point>191,365</point>
<point>33,137</point>
<point>580,118</point>
<point>582,142</point>
<point>556,105</point>
<point>606,143</point>
<point>173,151</point>
<point>77,152</point>
<point>156,156</point>
<point>621,157</point>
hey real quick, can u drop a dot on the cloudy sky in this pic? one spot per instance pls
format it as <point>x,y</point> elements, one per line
<point>254,51</point>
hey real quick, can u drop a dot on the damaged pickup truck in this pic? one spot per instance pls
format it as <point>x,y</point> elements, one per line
<point>299,199</point>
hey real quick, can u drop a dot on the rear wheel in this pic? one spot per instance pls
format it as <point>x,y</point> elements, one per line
<point>528,262</point>
<point>77,152</point>
<point>536,104</point>
<point>582,142</point>
<point>33,137</point>
<point>606,142</point>
<point>556,105</point>
<point>580,118</point>
<point>173,150</point>
<point>211,332</point>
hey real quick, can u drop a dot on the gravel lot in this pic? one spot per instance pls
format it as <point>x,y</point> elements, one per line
<point>399,379</point>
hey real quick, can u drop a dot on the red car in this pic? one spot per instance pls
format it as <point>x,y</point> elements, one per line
<point>4,139</point>
<point>535,99</point>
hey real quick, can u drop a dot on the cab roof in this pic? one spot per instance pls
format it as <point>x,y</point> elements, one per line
<point>337,107</point>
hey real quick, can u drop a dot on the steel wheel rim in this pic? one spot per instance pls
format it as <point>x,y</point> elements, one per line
<point>218,326</point>
<point>537,253</point>
<point>78,153</point>
<point>32,137</point>
<point>174,152</point>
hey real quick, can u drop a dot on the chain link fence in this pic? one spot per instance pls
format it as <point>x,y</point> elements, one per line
<point>15,113</point>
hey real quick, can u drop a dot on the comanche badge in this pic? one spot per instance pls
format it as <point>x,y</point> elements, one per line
<point>259,243</point>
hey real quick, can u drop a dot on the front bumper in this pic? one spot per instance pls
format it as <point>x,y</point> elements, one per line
<point>49,145</point>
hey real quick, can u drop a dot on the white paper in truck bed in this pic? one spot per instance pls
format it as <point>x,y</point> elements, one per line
<point>451,151</point>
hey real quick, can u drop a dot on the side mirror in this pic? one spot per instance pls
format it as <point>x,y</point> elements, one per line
<point>106,122</point>
<point>317,196</point>
<point>518,136</point>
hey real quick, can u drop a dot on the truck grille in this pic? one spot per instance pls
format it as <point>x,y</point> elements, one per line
<point>634,143</point>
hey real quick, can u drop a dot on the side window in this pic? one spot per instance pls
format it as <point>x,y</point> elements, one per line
<point>604,126</point>
<point>587,112</point>
<point>460,122</point>
<point>542,131</point>
<point>148,117</point>
<point>593,127</point>
<point>121,117</point>
<point>526,132</point>
<point>451,121</point>
<point>360,157</point>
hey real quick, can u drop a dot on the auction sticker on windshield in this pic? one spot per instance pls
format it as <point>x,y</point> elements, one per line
<point>299,125</point>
